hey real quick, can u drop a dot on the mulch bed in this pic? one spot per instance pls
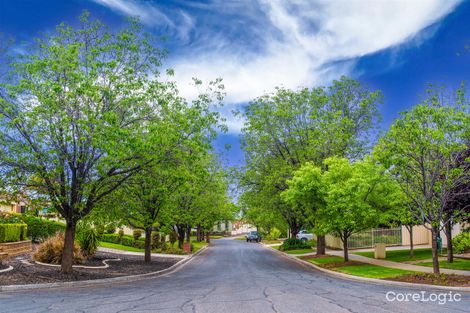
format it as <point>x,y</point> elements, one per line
<point>431,279</point>
<point>27,272</point>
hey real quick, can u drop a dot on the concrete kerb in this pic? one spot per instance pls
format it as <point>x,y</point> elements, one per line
<point>97,282</point>
<point>374,281</point>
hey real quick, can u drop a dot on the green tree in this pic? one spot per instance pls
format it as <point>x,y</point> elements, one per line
<point>421,150</point>
<point>288,128</point>
<point>307,190</point>
<point>77,116</point>
<point>357,195</point>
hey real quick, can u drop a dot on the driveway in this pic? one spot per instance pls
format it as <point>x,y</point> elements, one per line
<point>231,276</point>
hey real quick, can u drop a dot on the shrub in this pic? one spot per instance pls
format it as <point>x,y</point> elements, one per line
<point>100,229</point>
<point>50,251</point>
<point>461,242</point>
<point>40,229</point>
<point>155,240</point>
<point>12,232</point>
<point>88,238</point>
<point>112,238</point>
<point>127,241</point>
<point>292,244</point>
<point>10,218</point>
<point>137,233</point>
<point>274,234</point>
<point>110,229</point>
<point>121,232</point>
<point>173,237</point>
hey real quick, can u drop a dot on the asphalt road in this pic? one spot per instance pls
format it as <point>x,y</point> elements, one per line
<point>231,276</point>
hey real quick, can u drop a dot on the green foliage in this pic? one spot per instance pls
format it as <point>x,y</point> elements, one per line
<point>173,237</point>
<point>421,151</point>
<point>121,232</point>
<point>110,228</point>
<point>293,244</point>
<point>356,196</point>
<point>155,240</point>
<point>461,242</point>
<point>88,237</point>
<point>136,234</point>
<point>37,228</point>
<point>12,232</point>
<point>274,234</point>
<point>285,129</point>
<point>40,229</point>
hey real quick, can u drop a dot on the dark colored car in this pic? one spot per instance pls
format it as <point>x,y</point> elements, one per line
<point>253,236</point>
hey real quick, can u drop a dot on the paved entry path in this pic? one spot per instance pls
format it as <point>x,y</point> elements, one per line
<point>231,276</point>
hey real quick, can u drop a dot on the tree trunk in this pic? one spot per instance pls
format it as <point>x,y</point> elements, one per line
<point>148,245</point>
<point>188,234</point>
<point>67,254</point>
<point>435,256</point>
<point>450,248</point>
<point>181,234</point>
<point>410,230</point>
<point>345,248</point>
<point>321,244</point>
<point>198,233</point>
<point>208,237</point>
<point>294,230</point>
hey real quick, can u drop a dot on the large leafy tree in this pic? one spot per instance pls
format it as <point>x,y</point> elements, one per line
<point>77,114</point>
<point>356,197</point>
<point>421,150</point>
<point>287,128</point>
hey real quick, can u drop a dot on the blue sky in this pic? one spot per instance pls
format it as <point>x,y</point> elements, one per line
<point>395,46</point>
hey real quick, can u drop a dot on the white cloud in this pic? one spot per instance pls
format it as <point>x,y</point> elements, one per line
<point>314,34</point>
<point>257,45</point>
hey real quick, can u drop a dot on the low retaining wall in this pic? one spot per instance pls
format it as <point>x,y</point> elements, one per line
<point>12,249</point>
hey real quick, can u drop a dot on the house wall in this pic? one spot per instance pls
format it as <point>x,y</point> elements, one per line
<point>7,208</point>
<point>421,236</point>
<point>333,242</point>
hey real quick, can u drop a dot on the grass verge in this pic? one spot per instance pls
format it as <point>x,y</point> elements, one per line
<point>458,264</point>
<point>402,255</point>
<point>119,247</point>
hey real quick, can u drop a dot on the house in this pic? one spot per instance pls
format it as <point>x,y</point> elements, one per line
<point>12,207</point>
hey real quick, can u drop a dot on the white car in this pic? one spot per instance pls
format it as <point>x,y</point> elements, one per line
<point>304,235</point>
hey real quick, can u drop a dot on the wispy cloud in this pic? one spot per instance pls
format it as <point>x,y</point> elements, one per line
<point>150,14</point>
<point>257,45</point>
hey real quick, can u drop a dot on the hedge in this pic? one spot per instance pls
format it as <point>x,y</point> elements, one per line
<point>12,232</point>
<point>38,228</point>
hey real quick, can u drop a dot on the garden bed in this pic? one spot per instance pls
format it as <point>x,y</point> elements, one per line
<point>431,279</point>
<point>25,271</point>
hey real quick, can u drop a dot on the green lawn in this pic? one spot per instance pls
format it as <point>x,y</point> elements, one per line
<point>119,247</point>
<point>326,260</point>
<point>372,271</point>
<point>402,255</point>
<point>362,270</point>
<point>197,246</point>
<point>298,251</point>
<point>458,264</point>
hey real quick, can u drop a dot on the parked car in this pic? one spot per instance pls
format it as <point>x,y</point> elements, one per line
<point>253,236</point>
<point>304,235</point>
